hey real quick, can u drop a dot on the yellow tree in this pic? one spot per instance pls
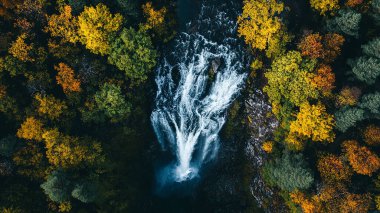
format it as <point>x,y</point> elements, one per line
<point>155,19</point>
<point>65,77</point>
<point>348,96</point>
<point>20,49</point>
<point>63,25</point>
<point>30,161</point>
<point>324,6</point>
<point>362,160</point>
<point>31,129</point>
<point>50,106</point>
<point>67,151</point>
<point>261,26</point>
<point>96,26</point>
<point>313,122</point>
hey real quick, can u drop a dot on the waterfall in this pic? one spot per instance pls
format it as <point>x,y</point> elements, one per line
<point>197,80</point>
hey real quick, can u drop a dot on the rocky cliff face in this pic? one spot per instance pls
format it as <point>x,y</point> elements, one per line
<point>261,126</point>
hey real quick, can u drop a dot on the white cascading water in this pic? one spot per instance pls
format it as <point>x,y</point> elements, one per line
<point>191,103</point>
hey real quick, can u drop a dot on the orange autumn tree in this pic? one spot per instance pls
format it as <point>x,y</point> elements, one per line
<point>353,3</point>
<point>31,129</point>
<point>313,122</point>
<point>307,205</point>
<point>332,43</point>
<point>356,203</point>
<point>326,47</point>
<point>333,169</point>
<point>64,25</point>
<point>362,160</point>
<point>336,198</point>
<point>311,45</point>
<point>371,135</point>
<point>66,78</point>
<point>267,146</point>
<point>324,79</point>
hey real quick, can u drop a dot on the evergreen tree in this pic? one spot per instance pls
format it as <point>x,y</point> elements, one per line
<point>372,48</point>
<point>288,172</point>
<point>57,186</point>
<point>375,11</point>
<point>85,192</point>
<point>366,69</point>
<point>348,117</point>
<point>7,146</point>
<point>371,102</point>
<point>347,21</point>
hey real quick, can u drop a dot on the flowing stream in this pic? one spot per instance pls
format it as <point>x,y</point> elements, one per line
<point>198,78</point>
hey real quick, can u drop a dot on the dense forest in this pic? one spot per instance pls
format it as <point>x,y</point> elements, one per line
<point>78,87</point>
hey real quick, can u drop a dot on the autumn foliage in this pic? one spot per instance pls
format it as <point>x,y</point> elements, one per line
<point>324,6</point>
<point>362,160</point>
<point>326,47</point>
<point>324,79</point>
<point>63,25</point>
<point>66,151</point>
<point>50,106</point>
<point>261,26</point>
<point>372,135</point>
<point>96,26</point>
<point>66,78</point>
<point>353,3</point>
<point>332,168</point>
<point>348,96</point>
<point>31,129</point>
<point>313,122</point>
<point>20,49</point>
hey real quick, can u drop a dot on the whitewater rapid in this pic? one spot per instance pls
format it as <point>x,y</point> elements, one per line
<point>196,83</point>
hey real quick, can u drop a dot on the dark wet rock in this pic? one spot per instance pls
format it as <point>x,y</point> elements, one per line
<point>261,126</point>
<point>215,65</point>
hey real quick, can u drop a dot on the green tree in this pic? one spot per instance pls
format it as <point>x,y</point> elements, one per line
<point>111,101</point>
<point>57,186</point>
<point>348,117</point>
<point>133,53</point>
<point>372,48</point>
<point>288,172</point>
<point>13,66</point>
<point>7,146</point>
<point>129,7</point>
<point>85,192</point>
<point>347,21</point>
<point>371,102</point>
<point>366,69</point>
<point>375,11</point>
